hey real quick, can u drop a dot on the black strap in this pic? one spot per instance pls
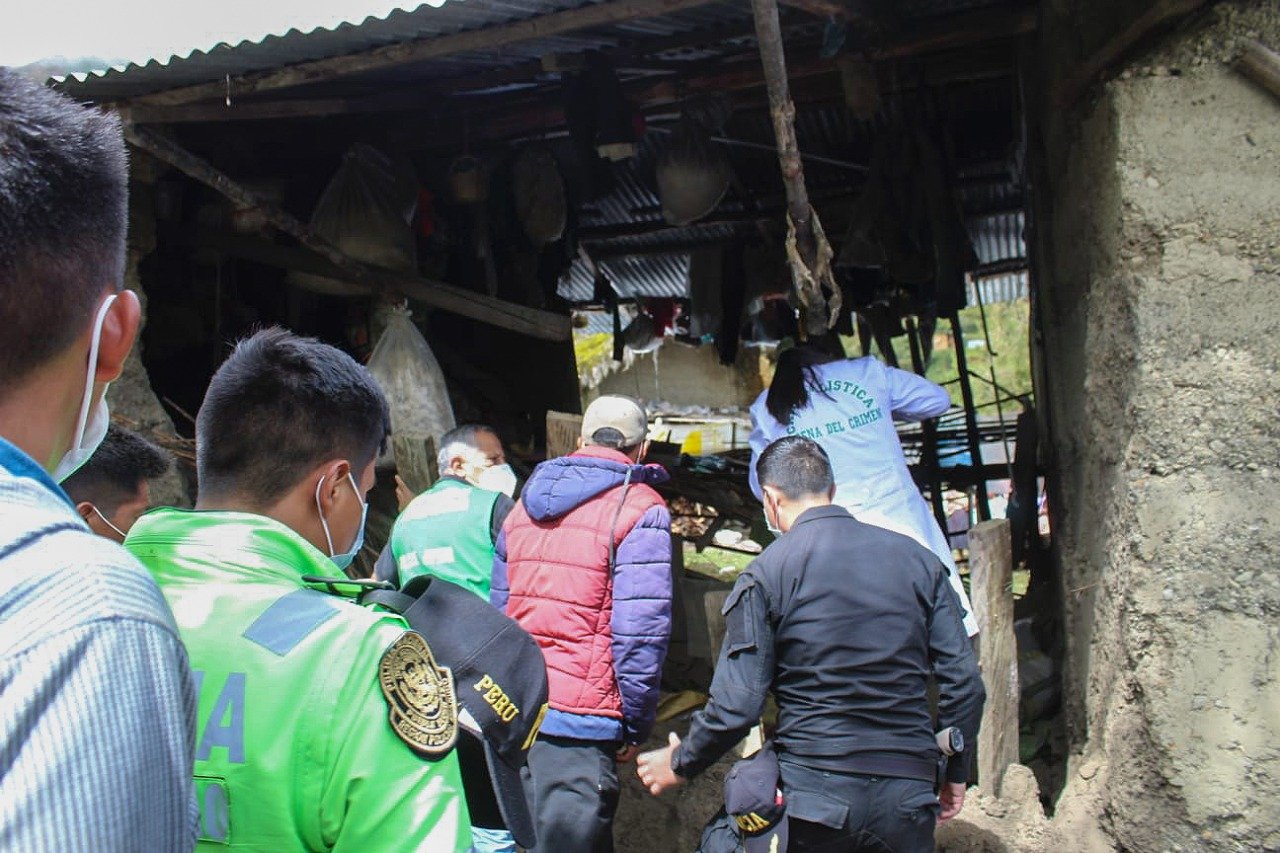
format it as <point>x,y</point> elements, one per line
<point>389,598</point>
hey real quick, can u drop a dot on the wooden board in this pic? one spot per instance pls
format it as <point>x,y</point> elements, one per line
<point>416,461</point>
<point>991,576</point>
<point>563,431</point>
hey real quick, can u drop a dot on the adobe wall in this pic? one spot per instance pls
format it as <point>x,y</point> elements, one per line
<point>1157,250</point>
<point>688,376</point>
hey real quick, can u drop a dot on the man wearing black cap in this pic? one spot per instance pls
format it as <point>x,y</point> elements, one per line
<point>843,621</point>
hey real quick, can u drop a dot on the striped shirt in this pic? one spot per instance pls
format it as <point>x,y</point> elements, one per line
<point>97,707</point>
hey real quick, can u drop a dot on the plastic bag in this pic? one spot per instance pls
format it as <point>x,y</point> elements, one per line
<point>366,212</point>
<point>410,376</point>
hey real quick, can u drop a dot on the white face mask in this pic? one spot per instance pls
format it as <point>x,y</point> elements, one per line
<point>768,522</point>
<point>90,431</point>
<point>498,478</point>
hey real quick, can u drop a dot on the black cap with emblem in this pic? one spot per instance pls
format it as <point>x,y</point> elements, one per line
<point>753,799</point>
<point>500,678</point>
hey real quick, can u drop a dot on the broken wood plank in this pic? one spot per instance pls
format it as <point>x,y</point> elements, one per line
<point>991,591</point>
<point>1261,65</point>
<point>484,38</point>
<point>496,312</point>
<point>1102,61</point>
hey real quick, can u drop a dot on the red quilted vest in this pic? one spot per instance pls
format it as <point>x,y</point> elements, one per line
<point>562,589</point>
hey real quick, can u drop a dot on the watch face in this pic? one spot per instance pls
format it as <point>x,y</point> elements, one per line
<point>957,740</point>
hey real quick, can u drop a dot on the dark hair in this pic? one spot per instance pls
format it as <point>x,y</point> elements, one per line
<point>613,439</point>
<point>63,212</point>
<point>117,468</point>
<point>467,435</point>
<point>279,406</point>
<point>793,377</point>
<point>796,466</point>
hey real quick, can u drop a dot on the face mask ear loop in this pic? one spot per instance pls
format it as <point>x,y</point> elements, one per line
<point>323,522</point>
<point>108,523</point>
<point>83,421</point>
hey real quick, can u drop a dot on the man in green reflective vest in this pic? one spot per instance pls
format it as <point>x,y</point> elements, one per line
<point>322,725</point>
<point>449,530</point>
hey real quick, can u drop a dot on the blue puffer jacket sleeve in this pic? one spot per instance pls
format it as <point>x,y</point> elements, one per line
<point>499,585</point>
<point>641,624</point>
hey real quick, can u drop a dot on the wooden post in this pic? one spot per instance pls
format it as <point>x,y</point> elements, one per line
<point>970,413</point>
<point>991,577</point>
<point>416,461</point>
<point>783,112</point>
<point>478,306</point>
<point>1261,65</point>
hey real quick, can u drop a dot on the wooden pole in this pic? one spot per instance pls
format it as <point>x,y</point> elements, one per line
<point>496,312</point>
<point>928,433</point>
<point>970,412</point>
<point>783,112</point>
<point>1261,65</point>
<point>484,38</point>
<point>991,578</point>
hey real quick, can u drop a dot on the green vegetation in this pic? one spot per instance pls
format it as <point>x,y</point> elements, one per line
<point>1009,324</point>
<point>717,563</point>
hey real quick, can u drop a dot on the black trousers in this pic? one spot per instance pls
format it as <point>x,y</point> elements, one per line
<point>850,813</point>
<point>572,786</point>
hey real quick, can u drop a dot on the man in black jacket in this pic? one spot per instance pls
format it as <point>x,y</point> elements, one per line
<point>843,621</point>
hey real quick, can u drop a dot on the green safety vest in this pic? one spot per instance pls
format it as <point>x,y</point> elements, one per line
<point>446,532</point>
<point>297,745</point>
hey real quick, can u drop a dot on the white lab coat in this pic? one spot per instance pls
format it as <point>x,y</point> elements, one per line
<point>853,421</point>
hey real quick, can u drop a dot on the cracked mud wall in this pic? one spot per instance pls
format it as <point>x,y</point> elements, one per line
<point>1157,251</point>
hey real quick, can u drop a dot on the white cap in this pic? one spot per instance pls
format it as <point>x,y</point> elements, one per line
<point>615,411</point>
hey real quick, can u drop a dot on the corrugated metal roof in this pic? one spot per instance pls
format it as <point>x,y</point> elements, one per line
<point>827,131</point>
<point>423,22</point>
<point>427,21</point>
<point>999,288</point>
<point>635,275</point>
<point>999,236</point>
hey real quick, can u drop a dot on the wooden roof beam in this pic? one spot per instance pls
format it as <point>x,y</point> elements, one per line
<point>487,309</point>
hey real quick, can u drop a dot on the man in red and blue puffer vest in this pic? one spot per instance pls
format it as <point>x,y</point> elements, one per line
<point>583,564</point>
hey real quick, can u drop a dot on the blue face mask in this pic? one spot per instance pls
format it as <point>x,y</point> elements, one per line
<point>343,560</point>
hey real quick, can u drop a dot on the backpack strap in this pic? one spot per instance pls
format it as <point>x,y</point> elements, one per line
<point>399,601</point>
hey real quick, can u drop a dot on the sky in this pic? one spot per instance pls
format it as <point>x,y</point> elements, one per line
<point>137,30</point>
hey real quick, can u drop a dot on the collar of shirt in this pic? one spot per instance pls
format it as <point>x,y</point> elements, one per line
<point>19,464</point>
<point>240,544</point>
<point>815,512</point>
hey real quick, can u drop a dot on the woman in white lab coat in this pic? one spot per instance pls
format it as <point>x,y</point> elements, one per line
<point>848,406</point>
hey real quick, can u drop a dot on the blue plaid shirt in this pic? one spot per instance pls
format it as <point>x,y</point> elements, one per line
<point>97,706</point>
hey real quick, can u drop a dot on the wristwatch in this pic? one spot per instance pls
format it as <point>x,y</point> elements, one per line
<point>950,740</point>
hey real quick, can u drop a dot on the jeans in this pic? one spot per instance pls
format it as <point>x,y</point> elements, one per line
<point>850,813</point>
<point>572,786</point>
